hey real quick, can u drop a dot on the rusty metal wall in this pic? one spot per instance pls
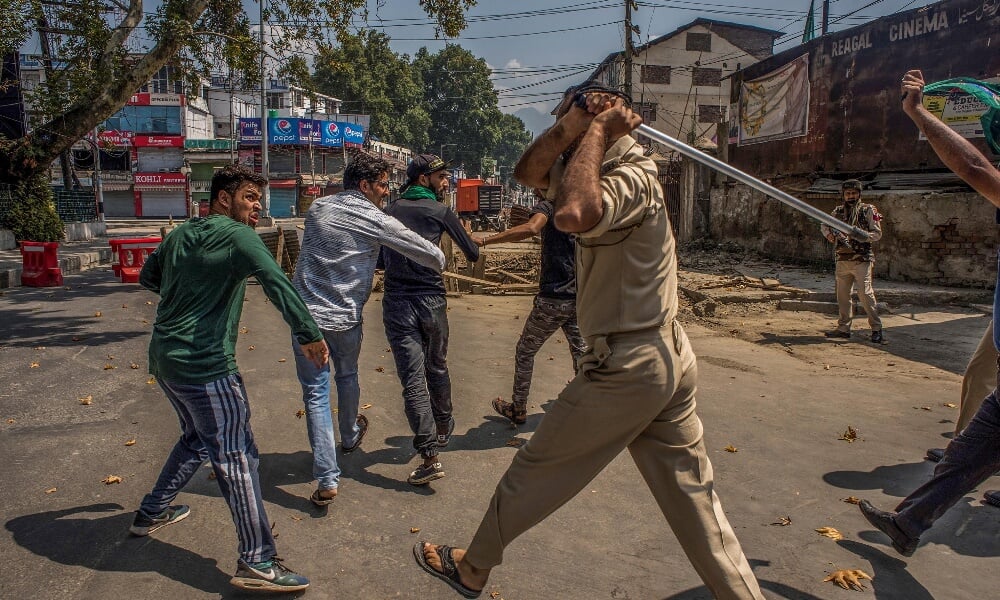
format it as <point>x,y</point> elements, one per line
<point>856,124</point>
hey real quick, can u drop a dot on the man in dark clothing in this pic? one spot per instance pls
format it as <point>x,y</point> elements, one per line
<point>554,306</point>
<point>973,456</point>
<point>414,313</point>
<point>200,272</point>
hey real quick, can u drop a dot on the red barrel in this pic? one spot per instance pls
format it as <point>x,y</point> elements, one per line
<point>132,253</point>
<point>40,264</point>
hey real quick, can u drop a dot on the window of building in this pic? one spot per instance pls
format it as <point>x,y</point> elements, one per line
<point>708,113</point>
<point>274,101</point>
<point>655,74</point>
<point>160,82</point>
<point>699,42</point>
<point>707,76</point>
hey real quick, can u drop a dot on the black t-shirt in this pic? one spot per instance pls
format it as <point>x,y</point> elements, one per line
<point>558,277</point>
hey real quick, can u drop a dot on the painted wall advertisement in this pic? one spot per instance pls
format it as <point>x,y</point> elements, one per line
<point>290,131</point>
<point>959,110</point>
<point>776,106</point>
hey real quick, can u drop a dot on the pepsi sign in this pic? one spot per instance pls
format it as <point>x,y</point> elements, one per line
<point>282,131</point>
<point>332,135</point>
<point>353,134</point>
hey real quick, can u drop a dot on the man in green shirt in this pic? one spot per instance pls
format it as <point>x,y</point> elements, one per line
<point>200,272</point>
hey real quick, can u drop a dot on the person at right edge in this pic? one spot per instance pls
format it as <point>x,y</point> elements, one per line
<point>855,260</point>
<point>974,454</point>
<point>636,384</point>
<point>415,312</point>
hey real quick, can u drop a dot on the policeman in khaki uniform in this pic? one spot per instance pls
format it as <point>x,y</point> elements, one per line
<point>636,385</point>
<point>855,260</point>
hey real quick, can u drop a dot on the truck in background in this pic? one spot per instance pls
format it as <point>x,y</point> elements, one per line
<point>480,205</point>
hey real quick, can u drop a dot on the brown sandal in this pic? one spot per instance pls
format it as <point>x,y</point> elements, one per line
<point>516,415</point>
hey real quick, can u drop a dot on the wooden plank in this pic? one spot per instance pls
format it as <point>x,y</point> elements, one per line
<point>514,276</point>
<point>468,279</point>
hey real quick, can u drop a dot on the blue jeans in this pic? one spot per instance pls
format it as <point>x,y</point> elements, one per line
<point>417,330</point>
<point>970,459</point>
<point>345,346</point>
<point>215,426</point>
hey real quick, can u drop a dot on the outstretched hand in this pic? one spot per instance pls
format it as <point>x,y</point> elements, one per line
<point>912,88</point>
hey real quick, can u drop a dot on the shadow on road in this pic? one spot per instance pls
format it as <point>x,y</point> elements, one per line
<point>783,591</point>
<point>894,480</point>
<point>104,544</point>
<point>890,579</point>
<point>969,528</point>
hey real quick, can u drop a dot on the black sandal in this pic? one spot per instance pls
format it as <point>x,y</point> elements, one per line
<point>450,574</point>
<point>517,416</point>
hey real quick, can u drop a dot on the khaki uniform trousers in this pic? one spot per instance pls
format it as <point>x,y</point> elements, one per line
<point>979,379</point>
<point>635,391</point>
<point>855,274</point>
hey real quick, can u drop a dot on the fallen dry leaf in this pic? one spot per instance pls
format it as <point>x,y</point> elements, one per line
<point>849,579</point>
<point>76,338</point>
<point>830,532</point>
<point>731,448</point>
<point>414,530</point>
<point>111,357</point>
<point>282,360</point>
<point>108,367</point>
<point>515,442</point>
<point>124,305</point>
<point>130,442</point>
<point>151,381</point>
<point>133,366</point>
<point>39,347</point>
<point>244,330</point>
<point>251,347</point>
<point>294,518</point>
<point>365,406</point>
<point>300,413</point>
<point>97,314</point>
<point>211,475</point>
<point>11,421</point>
<point>950,405</point>
<point>826,367</point>
<point>552,358</point>
<point>50,491</point>
<point>851,500</point>
<point>34,365</point>
<point>111,479</point>
<point>380,369</point>
<point>87,400</point>
<point>850,435</point>
<point>149,302</point>
<point>495,595</point>
<point>783,521</point>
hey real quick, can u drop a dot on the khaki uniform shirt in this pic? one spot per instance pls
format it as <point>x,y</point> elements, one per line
<point>626,268</point>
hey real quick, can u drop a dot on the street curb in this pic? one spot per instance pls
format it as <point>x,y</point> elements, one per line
<point>74,263</point>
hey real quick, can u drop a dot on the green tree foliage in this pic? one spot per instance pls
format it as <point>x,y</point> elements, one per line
<point>514,138</point>
<point>462,104</point>
<point>371,78</point>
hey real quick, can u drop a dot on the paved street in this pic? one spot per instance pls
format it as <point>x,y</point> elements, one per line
<point>781,411</point>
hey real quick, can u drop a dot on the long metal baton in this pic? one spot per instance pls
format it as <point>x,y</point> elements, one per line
<point>697,155</point>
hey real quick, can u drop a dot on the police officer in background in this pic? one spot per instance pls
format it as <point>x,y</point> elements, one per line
<point>855,260</point>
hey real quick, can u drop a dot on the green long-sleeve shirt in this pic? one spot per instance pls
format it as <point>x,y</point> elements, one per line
<point>200,272</point>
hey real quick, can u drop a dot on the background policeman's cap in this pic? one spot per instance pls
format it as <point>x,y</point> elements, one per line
<point>851,184</point>
<point>424,164</point>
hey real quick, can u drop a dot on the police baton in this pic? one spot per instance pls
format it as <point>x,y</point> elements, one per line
<point>710,161</point>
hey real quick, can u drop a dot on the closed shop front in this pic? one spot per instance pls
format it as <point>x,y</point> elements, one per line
<point>283,196</point>
<point>119,203</point>
<point>164,204</point>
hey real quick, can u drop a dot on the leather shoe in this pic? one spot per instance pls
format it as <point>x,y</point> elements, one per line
<point>935,454</point>
<point>992,497</point>
<point>363,422</point>
<point>886,523</point>
<point>877,337</point>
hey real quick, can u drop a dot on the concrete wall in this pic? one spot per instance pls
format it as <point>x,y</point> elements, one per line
<point>945,239</point>
<point>7,241</point>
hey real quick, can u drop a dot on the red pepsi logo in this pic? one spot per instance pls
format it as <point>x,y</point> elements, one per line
<point>332,129</point>
<point>283,126</point>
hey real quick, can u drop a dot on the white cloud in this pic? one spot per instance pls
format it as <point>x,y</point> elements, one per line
<point>513,64</point>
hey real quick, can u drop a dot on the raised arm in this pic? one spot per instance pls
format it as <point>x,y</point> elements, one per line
<point>533,167</point>
<point>523,231</point>
<point>956,152</point>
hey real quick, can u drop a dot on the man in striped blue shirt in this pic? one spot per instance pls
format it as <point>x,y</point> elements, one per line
<point>343,237</point>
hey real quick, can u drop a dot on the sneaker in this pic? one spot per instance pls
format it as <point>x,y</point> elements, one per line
<point>877,337</point>
<point>992,497</point>
<point>836,333</point>
<point>444,438</point>
<point>363,425</point>
<point>426,474</point>
<point>271,576</point>
<point>886,523</point>
<point>143,525</point>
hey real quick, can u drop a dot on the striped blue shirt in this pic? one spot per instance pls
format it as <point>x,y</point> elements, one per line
<point>343,236</point>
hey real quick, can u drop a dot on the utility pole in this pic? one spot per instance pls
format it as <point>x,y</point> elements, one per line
<point>826,17</point>
<point>43,37</point>
<point>98,184</point>
<point>629,49</point>
<point>265,199</point>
